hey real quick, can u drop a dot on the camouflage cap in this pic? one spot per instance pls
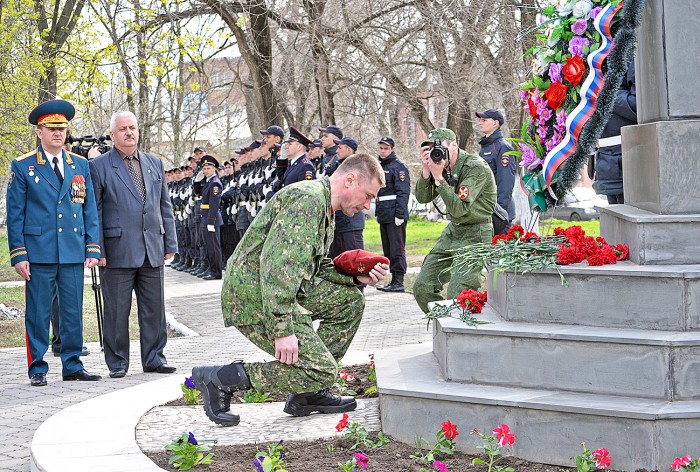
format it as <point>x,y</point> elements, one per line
<point>443,134</point>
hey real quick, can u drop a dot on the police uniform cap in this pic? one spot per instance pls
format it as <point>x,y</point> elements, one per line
<point>348,141</point>
<point>442,134</point>
<point>274,130</point>
<point>316,143</point>
<point>242,151</point>
<point>388,140</point>
<point>228,163</point>
<point>254,145</point>
<point>493,114</point>
<point>296,135</point>
<point>208,160</point>
<point>333,129</point>
<point>200,148</point>
<point>52,114</point>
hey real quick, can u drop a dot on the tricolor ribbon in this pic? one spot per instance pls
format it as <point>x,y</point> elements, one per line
<point>589,95</point>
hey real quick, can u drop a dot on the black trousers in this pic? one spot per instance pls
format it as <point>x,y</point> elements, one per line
<point>229,241</point>
<point>346,241</point>
<point>212,249</point>
<point>394,246</point>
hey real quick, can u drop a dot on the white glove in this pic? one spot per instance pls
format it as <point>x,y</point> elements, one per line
<point>199,176</point>
<point>398,221</point>
<point>211,228</point>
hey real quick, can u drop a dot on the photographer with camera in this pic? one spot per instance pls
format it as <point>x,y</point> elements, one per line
<point>467,186</point>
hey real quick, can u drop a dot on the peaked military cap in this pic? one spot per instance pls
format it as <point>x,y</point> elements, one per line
<point>348,141</point>
<point>209,161</point>
<point>296,135</point>
<point>493,114</point>
<point>333,129</point>
<point>275,130</point>
<point>52,114</point>
<point>387,140</point>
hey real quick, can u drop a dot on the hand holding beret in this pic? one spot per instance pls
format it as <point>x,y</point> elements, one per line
<point>357,262</point>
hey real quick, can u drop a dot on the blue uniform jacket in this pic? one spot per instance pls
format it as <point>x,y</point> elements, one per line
<point>503,166</point>
<point>300,169</point>
<point>398,184</point>
<point>48,223</point>
<point>211,201</point>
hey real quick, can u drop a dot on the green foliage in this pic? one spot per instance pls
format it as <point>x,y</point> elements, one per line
<point>421,235</point>
<point>443,447</point>
<point>256,396</point>
<point>272,460</point>
<point>188,453</point>
<point>493,451</point>
<point>191,395</point>
<point>358,434</point>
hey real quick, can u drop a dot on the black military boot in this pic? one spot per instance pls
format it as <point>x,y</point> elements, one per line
<point>396,284</point>
<point>175,261</point>
<point>303,404</point>
<point>217,384</point>
<point>205,269</point>
<point>185,264</point>
<point>196,266</point>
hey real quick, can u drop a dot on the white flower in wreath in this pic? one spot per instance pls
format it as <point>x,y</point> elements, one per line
<point>538,66</point>
<point>565,7</point>
<point>582,9</point>
<point>549,30</point>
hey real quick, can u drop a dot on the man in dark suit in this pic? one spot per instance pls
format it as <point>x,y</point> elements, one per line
<point>53,233</point>
<point>138,235</point>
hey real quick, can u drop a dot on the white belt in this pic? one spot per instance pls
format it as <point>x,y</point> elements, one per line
<point>611,141</point>
<point>386,197</point>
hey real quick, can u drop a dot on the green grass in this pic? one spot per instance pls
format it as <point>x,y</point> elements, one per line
<point>591,227</point>
<point>420,236</point>
<point>7,272</point>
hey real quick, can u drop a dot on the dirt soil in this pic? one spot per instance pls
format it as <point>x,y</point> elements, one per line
<point>323,455</point>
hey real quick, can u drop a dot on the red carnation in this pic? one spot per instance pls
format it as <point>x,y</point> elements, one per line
<point>531,104</point>
<point>556,94</point>
<point>515,232</point>
<point>449,430</point>
<point>573,70</point>
<point>622,252</point>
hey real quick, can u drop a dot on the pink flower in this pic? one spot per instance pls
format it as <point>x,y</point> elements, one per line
<point>361,459</point>
<point>505,438</point>
<point>594,12</point>
<point>602,459</point>
<point>440,466</point>
<point>579,27</point>
<point>679,462</point>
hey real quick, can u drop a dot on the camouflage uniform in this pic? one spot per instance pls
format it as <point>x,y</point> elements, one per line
<point>469,203</point>
<point>279,280</point>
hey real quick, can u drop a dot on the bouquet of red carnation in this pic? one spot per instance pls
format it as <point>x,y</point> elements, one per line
<point>469,302</point>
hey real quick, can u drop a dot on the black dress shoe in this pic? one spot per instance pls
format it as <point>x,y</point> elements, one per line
<point>117,373</point>
<point>162,369</point>
<point>303,404</point>
<point>210,276</point>
<point>37,380</point>
<point>392,287</point>
<point>83,375</point>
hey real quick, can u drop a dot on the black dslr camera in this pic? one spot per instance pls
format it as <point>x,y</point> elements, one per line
<point>82,145</point>
<point>438,152</point>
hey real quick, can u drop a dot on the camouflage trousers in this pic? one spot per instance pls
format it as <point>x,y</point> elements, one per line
<point>437,267</point>
<point>339,309</point>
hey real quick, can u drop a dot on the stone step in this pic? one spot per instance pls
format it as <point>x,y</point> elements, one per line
<point>611,361</point>
<point>623,295</point>
<point>549,424</point>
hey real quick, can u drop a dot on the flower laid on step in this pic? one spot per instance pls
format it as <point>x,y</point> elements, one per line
<point>596,460</point>
<point>686,464</point>
<point>188,452</point>
<point>358,460</point>
<point>521,252</point>
<point>272,460</point>
<point>500,437</point>
<point>444,445</point>
<point>341,385</point>
<point>469,302</point>
<point>190,392</point>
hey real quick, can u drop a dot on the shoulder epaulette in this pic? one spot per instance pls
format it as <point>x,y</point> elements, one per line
<point>76,155</point>
<point>24,156</point>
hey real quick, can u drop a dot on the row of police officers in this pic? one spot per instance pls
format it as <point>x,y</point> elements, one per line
<point>214,203</point>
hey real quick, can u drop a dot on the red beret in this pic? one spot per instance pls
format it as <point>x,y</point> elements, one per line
<point>358,262</point>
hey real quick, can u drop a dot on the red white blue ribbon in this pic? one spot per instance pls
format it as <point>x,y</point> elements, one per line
<point>589,95</point>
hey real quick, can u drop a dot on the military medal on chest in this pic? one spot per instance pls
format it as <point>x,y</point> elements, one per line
<point>31,171</point>
<point>77,189</point>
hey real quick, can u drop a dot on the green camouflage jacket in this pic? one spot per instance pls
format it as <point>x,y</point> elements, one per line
<point>473,198</point>
<point>284,249</point>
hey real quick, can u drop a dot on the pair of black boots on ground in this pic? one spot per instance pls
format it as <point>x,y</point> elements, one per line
<point>217,384</point>
<point>396,284</point>
<point>192,266</point>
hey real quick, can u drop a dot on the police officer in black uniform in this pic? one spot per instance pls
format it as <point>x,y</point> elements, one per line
<point>298,167</point>
<point>493,151</point>
<point>211,216</point>
<point>392,212</point>
<point>328,136</point>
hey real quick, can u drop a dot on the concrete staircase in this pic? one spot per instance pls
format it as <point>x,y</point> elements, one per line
<point>565,371</point>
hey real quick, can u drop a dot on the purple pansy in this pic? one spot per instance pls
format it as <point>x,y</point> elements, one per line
<point>192,440</point>
<point>189,383</point>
